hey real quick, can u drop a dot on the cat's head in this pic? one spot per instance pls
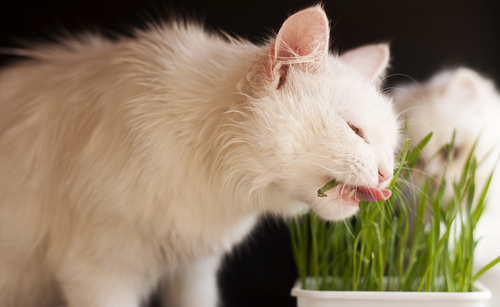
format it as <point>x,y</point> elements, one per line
<point>315,117</point>
<point>455,100</point>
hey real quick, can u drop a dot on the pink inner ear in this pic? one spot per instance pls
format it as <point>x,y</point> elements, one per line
<point>304,34</point>
<point>370,60</point>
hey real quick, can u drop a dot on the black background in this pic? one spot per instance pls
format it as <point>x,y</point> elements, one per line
<point>425,36</point>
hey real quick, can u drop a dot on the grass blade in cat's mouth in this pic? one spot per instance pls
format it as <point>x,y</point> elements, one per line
<point>327,187</point>
<point>355,194</point>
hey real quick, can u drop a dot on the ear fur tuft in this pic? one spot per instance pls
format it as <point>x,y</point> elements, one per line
<point>302,40</point>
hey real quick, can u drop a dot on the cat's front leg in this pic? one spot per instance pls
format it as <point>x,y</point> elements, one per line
<point>106,269</point>
<point>98,287</point>
<point>192,284</point>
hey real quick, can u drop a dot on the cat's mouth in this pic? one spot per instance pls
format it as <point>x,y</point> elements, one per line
<point>353,195</point>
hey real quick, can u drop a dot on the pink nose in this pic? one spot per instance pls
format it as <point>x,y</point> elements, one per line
<point>383,175</point>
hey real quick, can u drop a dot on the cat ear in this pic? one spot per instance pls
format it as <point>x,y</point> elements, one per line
<point>302,40</point>
<point>370,60</point>
<point>464,85</point>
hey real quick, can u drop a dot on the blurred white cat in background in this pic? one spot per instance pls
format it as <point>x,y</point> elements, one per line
<point>461,100</point>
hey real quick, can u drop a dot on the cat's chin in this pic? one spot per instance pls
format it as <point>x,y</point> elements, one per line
<point>335,207</point>
<point>335,210</point>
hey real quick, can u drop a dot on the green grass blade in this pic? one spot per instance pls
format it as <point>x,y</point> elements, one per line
<point>415,153</point>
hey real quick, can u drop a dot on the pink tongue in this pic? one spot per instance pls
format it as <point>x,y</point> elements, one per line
<point>372,194</point>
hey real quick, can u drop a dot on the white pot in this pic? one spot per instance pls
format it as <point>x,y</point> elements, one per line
<point>311,298</point>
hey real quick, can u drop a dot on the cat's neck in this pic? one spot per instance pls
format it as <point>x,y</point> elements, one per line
<point>199,99</point>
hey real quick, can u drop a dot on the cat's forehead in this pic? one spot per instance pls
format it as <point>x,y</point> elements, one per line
<point>372,112</point>
<point>341,95</point>
<point>360,101</point>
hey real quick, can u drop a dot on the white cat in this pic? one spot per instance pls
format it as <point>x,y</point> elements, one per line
<point>144,159</point>
<point>464,101</point>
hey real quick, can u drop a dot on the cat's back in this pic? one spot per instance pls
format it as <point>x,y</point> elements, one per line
<point>80,81</point>
<point>82,113</point>
<point>52,101</point>
<point>176,59</point>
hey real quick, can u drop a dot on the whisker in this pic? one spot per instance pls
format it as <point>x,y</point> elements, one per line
<point>345,220</point>
<point>321,156</point>
<point>324,167</point>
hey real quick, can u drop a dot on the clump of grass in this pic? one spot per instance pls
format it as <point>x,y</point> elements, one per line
<point>395,245</point>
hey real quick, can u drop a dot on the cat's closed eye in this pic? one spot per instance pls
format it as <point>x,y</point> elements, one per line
<point>358,131</point>
<point>453,152</point>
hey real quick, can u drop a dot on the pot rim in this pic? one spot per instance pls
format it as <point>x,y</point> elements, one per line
<point>480,293</point>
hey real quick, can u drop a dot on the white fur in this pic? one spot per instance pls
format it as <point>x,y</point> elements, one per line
<point>464,101</point>
<point>123,163</point>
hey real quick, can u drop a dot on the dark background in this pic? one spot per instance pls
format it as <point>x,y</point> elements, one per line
<point>425,36</point>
